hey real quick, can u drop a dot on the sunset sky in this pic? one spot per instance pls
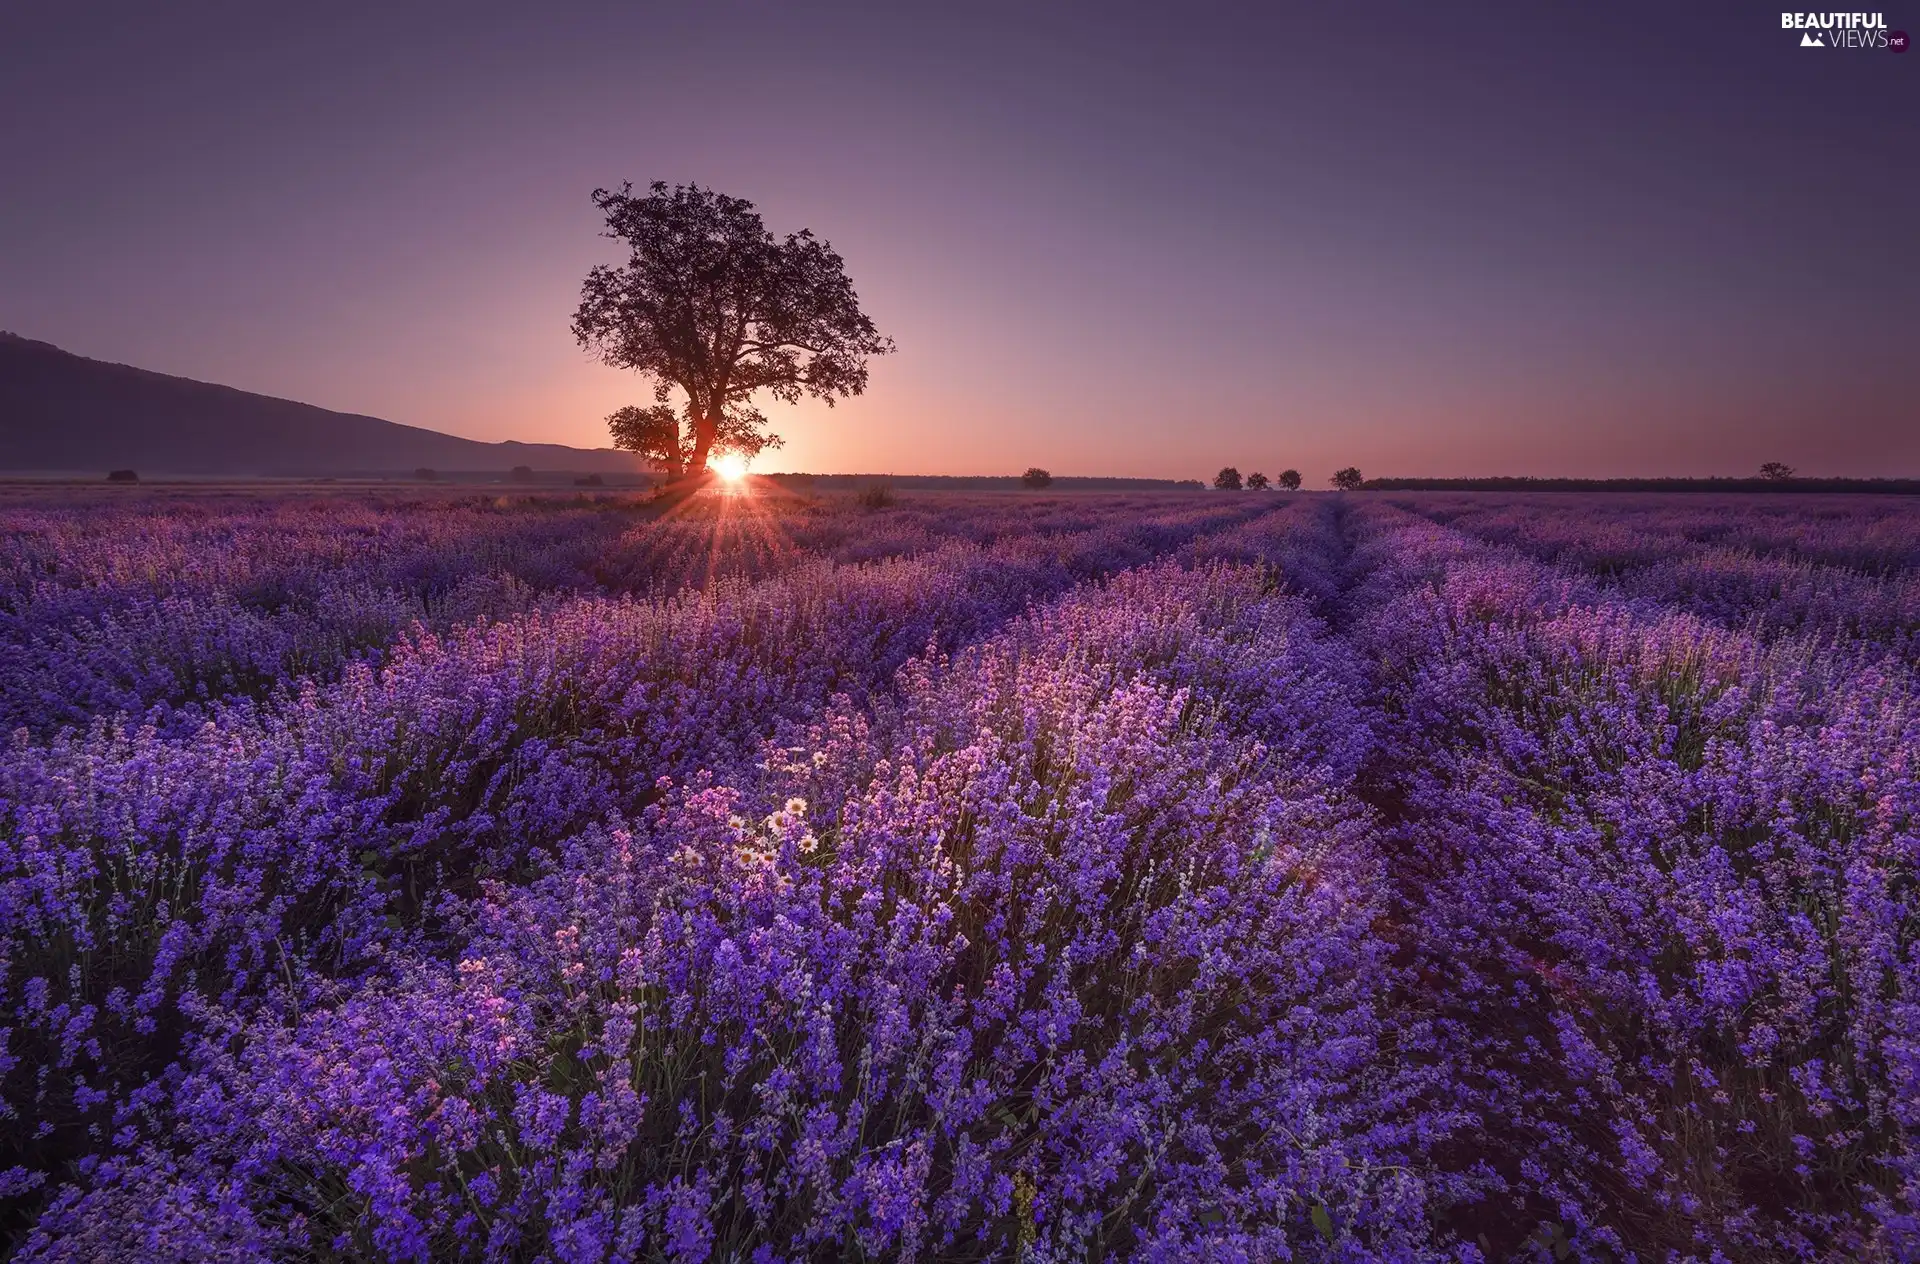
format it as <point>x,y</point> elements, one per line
<point>1584,239</point>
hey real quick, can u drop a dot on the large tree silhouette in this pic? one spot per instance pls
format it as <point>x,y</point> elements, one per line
<point>711,303</point>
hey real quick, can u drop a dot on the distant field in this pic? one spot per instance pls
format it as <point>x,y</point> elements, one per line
<point>490,872</point>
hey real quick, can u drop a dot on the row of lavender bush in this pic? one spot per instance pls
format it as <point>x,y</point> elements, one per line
<point>1658,877</point>
<point>1846,569</point>
<point>1086,879</point>
<point>149,871</point>
<point>168,607</point>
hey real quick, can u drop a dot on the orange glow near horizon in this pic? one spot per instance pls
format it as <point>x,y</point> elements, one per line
<point>730,527</point>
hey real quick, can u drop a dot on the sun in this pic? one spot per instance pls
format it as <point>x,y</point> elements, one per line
<point>732,467</point>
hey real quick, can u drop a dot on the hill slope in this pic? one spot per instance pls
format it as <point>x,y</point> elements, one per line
<point>63,412</point>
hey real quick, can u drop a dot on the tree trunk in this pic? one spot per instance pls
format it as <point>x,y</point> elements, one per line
<point>704,431</point>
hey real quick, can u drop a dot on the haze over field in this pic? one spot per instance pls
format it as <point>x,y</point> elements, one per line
<point>1123,239</point>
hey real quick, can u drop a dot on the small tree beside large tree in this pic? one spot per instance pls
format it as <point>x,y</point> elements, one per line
<point>711,304</point>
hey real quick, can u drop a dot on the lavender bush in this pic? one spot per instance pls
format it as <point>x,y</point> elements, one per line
<point>1025,878</point>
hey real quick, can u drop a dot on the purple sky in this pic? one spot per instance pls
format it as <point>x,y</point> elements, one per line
<point>1111,239</point>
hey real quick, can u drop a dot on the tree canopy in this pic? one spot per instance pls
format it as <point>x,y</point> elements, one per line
<point>711,304</point>
<point>1227,480</point>
<point>1257,481</point>
<point>1289,479</point>
<point>1348,479</point>
<point>1036,478</point>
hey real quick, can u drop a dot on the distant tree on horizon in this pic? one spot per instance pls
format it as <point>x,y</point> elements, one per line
<point>1290,479</point>
<point>1776,471</point>
<point>1257,481</point>
<point>711,304</point>
<point>1035,478</point>
<point>1227,480</point>
<point>1348,479</point>
<point>426,474</point>
<point>521,474</point>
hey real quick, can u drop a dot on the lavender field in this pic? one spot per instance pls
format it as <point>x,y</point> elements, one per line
<point>1214,876</point>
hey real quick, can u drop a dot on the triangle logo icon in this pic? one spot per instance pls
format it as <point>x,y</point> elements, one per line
<point>1810,40</point>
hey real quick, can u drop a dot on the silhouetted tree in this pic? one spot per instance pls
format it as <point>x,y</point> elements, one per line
<point>652,432</point>
<point>1035,478</point>
<point>1227,480</point>
<point>1776,471</point>
<point>1290,479</point>
<point>711,303</point>
<point>589,480</point>
<point>522,474</point>
<point>425,474</point>
<point>1348,479</point>
<point>1257,481</point>
<point>122,476</point>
